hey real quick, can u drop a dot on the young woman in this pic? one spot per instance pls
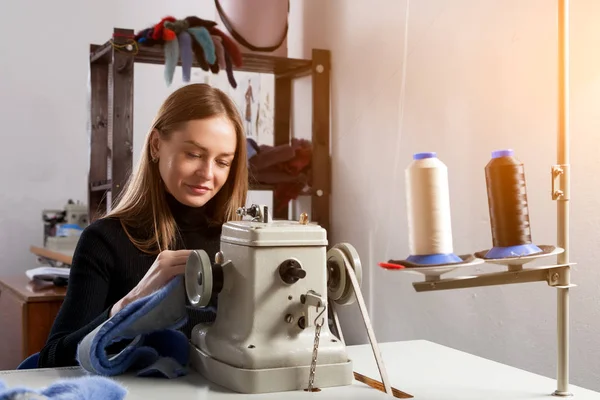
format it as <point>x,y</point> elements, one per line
<point>192,177</point>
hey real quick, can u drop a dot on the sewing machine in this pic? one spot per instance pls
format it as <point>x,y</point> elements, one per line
<point>273,280</point>
<point>63,227</point>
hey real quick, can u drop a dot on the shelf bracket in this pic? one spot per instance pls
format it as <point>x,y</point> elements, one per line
<point>560,182</point>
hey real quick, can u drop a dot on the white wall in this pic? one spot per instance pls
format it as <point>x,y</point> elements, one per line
<point>481,75</point>
<point>43,114</point>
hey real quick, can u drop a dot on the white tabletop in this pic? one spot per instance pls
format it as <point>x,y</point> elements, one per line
<point>424,369</point>
<point>430,371</point>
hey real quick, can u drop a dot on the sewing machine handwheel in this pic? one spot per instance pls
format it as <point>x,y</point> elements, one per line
<point>339,285</point>
<point>198,278</point>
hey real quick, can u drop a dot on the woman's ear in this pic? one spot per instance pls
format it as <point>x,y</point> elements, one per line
<point>154,144</point>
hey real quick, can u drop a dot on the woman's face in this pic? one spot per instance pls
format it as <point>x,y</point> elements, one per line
<point>194,162</point>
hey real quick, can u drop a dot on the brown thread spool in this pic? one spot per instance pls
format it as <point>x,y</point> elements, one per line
<point>508,207</point>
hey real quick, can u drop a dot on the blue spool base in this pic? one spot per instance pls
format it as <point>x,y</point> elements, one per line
<point>513,251</point>
<point>435,259</point>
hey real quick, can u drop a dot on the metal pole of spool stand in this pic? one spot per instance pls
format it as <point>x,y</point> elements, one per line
<point>560,193</point>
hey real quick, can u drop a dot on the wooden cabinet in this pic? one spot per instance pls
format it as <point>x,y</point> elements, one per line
<point>27,312</point>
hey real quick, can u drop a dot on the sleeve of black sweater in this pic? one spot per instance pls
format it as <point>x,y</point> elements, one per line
<point>84,307</point>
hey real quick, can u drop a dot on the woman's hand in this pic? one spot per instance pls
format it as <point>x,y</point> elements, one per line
<point>168,265</point>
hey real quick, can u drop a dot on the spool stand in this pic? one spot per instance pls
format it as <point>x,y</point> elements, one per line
<point>555,275</point>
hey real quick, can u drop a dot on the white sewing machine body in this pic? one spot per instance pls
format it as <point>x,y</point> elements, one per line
<point>273,286</point>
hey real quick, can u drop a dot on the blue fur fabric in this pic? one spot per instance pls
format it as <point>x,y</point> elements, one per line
<point>84,388</point>
<point>202,36</point>
<point>148,326</point>
<point>186,54</point>
<point>171,49</point>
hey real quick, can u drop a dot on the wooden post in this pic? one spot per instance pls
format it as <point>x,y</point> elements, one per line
<point>98,138</point>
<point>283,110</point>
<point>321,160</point>
<point>121,86</point>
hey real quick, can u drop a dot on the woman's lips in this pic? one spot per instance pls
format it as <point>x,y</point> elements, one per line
<point>198,189</point>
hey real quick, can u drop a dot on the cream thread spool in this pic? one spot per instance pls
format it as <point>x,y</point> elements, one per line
<point>428,208</point>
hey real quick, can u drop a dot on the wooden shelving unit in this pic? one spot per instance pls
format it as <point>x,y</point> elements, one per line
<point>112,77</point>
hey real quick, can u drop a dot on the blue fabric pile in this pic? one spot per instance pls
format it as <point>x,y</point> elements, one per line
<point>83,388</point>
<point>154,346</point>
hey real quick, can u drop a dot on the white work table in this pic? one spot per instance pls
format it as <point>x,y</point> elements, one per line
<point>425,370</point>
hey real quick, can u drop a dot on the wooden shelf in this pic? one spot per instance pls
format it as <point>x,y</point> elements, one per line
<point>261,187</point>
<point>52,255</point>
<point>258,63</point>
<point>101,186</point>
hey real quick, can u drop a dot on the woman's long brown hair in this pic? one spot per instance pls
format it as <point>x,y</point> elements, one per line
<point>142,206</point>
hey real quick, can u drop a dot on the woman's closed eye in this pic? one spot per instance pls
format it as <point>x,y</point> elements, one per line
<point>193,155</point>
<point>221,163</point>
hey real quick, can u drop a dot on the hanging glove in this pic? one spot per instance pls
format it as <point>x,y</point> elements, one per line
<point>203,46</point>
<point>229,45</point>
<point>171,50</point>
<point>186,54</point>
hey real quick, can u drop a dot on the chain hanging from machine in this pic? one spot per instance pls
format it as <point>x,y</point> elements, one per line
<point>319,321</point>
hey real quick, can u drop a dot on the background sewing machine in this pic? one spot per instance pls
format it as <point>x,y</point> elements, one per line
<point>273,279</point>
<point>62,228</point>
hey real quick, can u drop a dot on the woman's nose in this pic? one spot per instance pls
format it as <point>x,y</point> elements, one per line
<point>206,170</point>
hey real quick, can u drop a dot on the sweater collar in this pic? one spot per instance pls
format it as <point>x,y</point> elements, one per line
<point>186,217</point>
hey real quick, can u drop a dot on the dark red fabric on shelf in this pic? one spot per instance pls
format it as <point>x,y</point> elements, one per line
<point>287,167</point>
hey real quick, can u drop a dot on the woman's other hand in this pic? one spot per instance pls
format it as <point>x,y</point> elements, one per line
<point>168,265</point>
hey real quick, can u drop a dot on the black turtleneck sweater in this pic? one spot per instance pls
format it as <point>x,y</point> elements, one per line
<point>105,267</point>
